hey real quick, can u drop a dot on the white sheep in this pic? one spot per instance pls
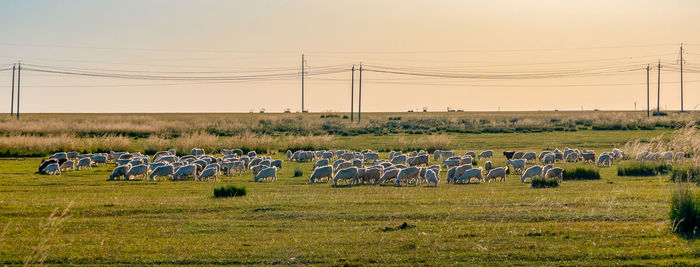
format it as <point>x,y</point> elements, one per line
<point>162,171</point>
<point>496,173</point>
<point>419,160</point>
<point>320,173</point>
<point>52,169</point>
<point>679,157</point>
<point>407,174</point>
<point>532,172</point>
<point>431,177</point>
<point>369,175</point>
<point>68,164</point>
<point>120,171</point>
<point>346,174</point>
<point>265,174</point>
<point>517,164</point>
<point>457,171</point>
<point>388,175</point>
<point>136,171</point>
<point>530,156</point>
<point>488,154</point>
<point>400,159</point>
<point>186,171</point>
<point>288,154</point>
<point>604,160</point>
<point>555,172</point>
<point>488,166</point>
<point>209,172</point>
<point>320,163</point>
<point>84,163</point>
<point>469,174</point>
<point>548,159</point>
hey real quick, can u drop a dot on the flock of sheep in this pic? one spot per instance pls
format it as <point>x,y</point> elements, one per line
<point>341,166</point>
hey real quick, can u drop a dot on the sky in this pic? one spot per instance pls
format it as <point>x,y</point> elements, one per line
<point>610,42</point>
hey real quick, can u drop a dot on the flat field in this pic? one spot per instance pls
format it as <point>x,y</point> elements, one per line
<point>611,221</point>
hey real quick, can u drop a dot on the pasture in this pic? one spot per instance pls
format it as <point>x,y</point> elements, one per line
<point>614,220</point>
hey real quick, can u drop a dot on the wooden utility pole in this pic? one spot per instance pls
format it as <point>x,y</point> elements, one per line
<point>658,93</point>
<point>302,83</point>
<point>647,90</point>
<point>352,92</point>
<point>359,99</point>
<point>19,72</point>
<point>12,95</point>
<point>681,62</point>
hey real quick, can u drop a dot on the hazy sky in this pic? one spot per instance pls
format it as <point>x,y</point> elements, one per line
<point>249,37</point>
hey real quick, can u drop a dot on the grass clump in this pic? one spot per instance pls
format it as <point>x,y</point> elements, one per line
<point>229,191</point>
<point>643,169</point>
<point>541,182</point>
<point>685,174</point>
<point>684,213</point>
<point>298,172</point>
<point>581,173</point>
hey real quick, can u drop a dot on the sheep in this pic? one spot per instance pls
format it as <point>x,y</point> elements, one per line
<point>518,155</point>
<point>320,163</point>
<point>405,175</point>
<point>84,163</point>
<point>288,154</point>
<point>517,164</point>
<point>588,156</point>
<point>545,168</point>
<point>667,156</point>
<point>436,169</point>
<point>120,171</point>
<point>457,171</point>
<point>346,174</point>
<point>47,162</point>
<point>400,159</point>
<point>547,159</point>
<point>679,157</point>
<point>277,163</point>
<point>388,175</point>
<point>642,155</point>
<point>558,155</point>
<point>162,171</point>
<point>488,166</point>
<point>320,173</point>
<point>531,172</point>
<point>369,175</point>
<point>371,156</point>
<point>252,154</point>
<point>442,154</point>
<point>488,154</point>
<point>555,172</point>
<point>508,154</point>
<point>186,171</point>
<point>257,169</point>
<point>469,174</point>
<point>496,173</point>
<point>69,164</point>
<point>419,160</point>
<point>136,171</point>
<point>571,157</point>
<point>618,154</point>
<point>431,177</point>
<point>450,163</point>
<point>209,172</point>
<point>52,169</point>
<point>267,173</point>
<point>543,153</point>
<point>604,160</point>
<point>59,155</point>
<point>99,159</point>
<point>357,163</point>
<point>466,160</point>
<point>530,156</point>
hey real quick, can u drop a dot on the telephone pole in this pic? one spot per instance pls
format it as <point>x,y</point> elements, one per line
<point>302,83</point>
<point>681,62</point>
<point>647,90</point>
<point>19,72</point>
<point>658,93</point>
<point>359,99</point>
<point>352,91</point>
<point>12,96</point>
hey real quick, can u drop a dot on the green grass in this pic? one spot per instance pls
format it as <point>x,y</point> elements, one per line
<point>685,211</point>
<point>541,182</point>
<point>611,221</point>
<point>581,173</point>
<point>643,169</point>
<point>229,191</point>
<point>685,173</point>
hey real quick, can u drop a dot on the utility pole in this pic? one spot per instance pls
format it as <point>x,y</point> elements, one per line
<point>647,90</point>
<point>302,83</point>
<point>19,72</point>
<point>359,99</point>
<point>12,96</point>
<point>681,62</point>
<point>352,92</point>
<point>658,93</point>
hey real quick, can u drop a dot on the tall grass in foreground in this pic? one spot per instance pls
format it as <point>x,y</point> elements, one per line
<point>49,230</point>
<point>581,173</point>
<point>685,210</point>
<point>643,169</point>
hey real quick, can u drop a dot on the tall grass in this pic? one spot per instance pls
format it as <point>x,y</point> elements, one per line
<point>643,169</point>
<point>581,173</point>
<point>685,210</point>
<point>229,191</point>
<point>541,182</point>
<point>685,173</point>
<point>686,139</point>
<point>48,230</point>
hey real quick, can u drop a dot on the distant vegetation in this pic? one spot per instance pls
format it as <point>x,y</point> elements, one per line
<point>643,169</point>
<point>581,173</point>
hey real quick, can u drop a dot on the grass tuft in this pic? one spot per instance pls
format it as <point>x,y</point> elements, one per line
<point>581,173</point>
<point>685,174</point>
<point>229,191</point>
<point>298,172</point>
<point>684,210</point>
<point>643,169</point>
<point>541,182</point>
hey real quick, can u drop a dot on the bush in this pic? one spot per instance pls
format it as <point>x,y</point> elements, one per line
<point>298,172</point>
<point>581,173</point>
<point>684,211</point>
<point>229,191</point>
<point>643,169</point>
<point>541,182</point>
<point>685,174</point>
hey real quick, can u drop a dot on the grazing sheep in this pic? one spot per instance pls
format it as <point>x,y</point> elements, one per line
<point>679,157</point>
<point>277,163</point>
<point>545,168</point>
<point>517,164</point>
<point>257,169</point>
<point>518,155</point>
<point>136,171</point>
<point>267,173</point>
<point>449,163</point>
<point>488,154</point>
<point>642,155</point>
<point>400,159</point>
<point>488,166</point>
<point>431,177</point>
<point>388,175</point>
<point>547,159</point>
<point>162,171</point>
<point>407,175</point>
<point>186,171</point>
<point>47,162</point>
<point>69,164</point>
<point>544,153</point>
<point>288,154</point>
<point>357,163</point>
<point>99,159</point>
<point>346,174</point>
<point>555,172</point>
<point>466,160</point>
<point>617,154</point>
<point>320,173</point>
<point>320,163</point>
<point>252,154</point>
<point>210,172</point>
<point>532,172</point>
<point>508,154</point>
<point>369,175</point>
<point>371,156</point>
<point>84,163</point>
<point>571,157</point>
<point>52,169</point>
<point>419,160</point>
<point>469,174</point>
<point>59,155</point>
<point>530,156</point>
<point>457,171</point>
<point>604,160</point>
<point>588,157</point>
<point>496,173</point>
<point>558,155</point>
<point>120,171</point>
<point>667,156</point>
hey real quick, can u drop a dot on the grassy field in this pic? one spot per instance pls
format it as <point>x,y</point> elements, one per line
<point>611,221</point>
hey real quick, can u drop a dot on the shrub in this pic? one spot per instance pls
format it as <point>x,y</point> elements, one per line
<point>643,169</point>
<point>229,191</point>
<point>581,173</point>
<point>684,210</point>
<point>298,172</point>
<point>541,182</point>
<point>685,174</point>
